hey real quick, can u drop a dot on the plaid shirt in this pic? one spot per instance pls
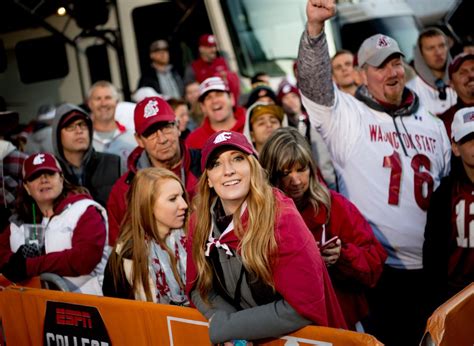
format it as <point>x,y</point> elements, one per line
<point>10,177</point>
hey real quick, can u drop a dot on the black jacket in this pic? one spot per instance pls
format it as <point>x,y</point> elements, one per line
<point>150,79</point>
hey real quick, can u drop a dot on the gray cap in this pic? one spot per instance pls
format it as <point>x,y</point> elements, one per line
<point>376,49</point>
<point>158,45</point>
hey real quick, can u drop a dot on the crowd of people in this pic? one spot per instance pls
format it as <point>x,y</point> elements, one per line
<point>343,200</point>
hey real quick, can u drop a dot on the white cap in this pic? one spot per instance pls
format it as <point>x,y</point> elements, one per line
<point>463,123</point>
<point>212,84</point>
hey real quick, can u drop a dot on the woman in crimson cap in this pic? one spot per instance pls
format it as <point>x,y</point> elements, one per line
<point>253,266</point>
<point>74,237</point>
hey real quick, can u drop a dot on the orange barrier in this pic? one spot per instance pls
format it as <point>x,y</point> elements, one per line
<point>36,316</point>
<point>453,322</point>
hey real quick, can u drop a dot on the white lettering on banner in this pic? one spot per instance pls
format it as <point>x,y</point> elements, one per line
<point>410,141</point>
<point>66,340</point>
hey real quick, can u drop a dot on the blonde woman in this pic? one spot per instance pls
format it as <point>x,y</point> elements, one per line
<point>254,269</point>
<point>148,262</point>
<point>354,258</point>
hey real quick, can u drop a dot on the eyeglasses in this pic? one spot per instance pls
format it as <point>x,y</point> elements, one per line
<point>72,127</point>
<point>166,129</point>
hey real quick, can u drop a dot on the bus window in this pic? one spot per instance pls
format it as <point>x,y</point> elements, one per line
<point>265,33</point>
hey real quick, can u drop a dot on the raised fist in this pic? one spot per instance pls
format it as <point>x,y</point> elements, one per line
<point>318,11</point>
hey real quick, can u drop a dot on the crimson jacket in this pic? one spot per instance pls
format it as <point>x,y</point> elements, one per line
<point>199,136</point>
<point>189,169</point>
<point>362,256</point>
<point>300,276</point>
<point>88,243</point>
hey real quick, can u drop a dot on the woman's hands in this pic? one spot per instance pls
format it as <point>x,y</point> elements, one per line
<point>15,269</point>
<point>331,253</point>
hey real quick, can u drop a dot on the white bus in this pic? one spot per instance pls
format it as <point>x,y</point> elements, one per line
<point>56,61</point>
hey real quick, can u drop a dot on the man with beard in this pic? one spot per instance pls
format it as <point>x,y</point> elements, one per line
<point>389,153</point>
<point>461,73</point>
<point>431,60</point>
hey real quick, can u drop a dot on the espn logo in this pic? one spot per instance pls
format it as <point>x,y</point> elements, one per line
<point>74,318</point>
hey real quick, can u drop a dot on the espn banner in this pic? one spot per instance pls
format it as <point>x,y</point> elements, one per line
<point>35,316</point>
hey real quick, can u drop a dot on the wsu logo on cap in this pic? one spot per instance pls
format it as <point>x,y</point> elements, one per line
<point>224,136</point>
<point>383,42</point>
<point>39,159</point>
<point>468,117</point>
<point>151,109</point>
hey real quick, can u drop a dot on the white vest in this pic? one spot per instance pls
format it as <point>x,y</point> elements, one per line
<point>58,237</point>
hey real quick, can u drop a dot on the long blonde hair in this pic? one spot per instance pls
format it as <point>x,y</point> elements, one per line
<point>285,149</point>
<point>139,227</point>
<point>258,244</point>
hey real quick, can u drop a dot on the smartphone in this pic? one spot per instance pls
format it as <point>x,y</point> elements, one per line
<point>330,241</point>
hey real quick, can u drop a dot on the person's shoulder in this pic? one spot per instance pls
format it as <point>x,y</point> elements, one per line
<point>196,138</point>
<point>108,158</point>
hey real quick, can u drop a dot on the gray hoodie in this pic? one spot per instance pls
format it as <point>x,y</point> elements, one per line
<point>98,171</point>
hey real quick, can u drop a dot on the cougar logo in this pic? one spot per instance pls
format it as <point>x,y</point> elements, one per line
<point>468,117</point>
<point>39,159</point>
<point>151,109</point>
<point>222,137</point>
<point>383,42</point>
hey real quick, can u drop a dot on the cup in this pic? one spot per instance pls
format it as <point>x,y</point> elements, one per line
<point>34,234</point>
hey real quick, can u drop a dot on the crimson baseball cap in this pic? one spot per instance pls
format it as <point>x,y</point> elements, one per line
<point>40,162</point>
<point>458,61</point>
<point>207,40</point>
<point>152,110</point>
<point>463,123</point>
<point>376,49</point>
<point>285,89</point>
<point>225,138</point>
<point>212,84</point>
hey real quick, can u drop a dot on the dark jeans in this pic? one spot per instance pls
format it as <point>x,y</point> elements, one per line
<point>397,313</point>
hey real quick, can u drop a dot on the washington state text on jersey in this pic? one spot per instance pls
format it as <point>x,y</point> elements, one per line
<point>411,141</point>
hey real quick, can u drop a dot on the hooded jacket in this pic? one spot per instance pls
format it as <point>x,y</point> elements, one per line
<point>189,171</point>
<point>247,125</point>
<point>99,171</point>
<point>424,85</point>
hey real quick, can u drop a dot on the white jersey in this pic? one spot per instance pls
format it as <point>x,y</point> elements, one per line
<point>390,188</point>
<point>429,97</point>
